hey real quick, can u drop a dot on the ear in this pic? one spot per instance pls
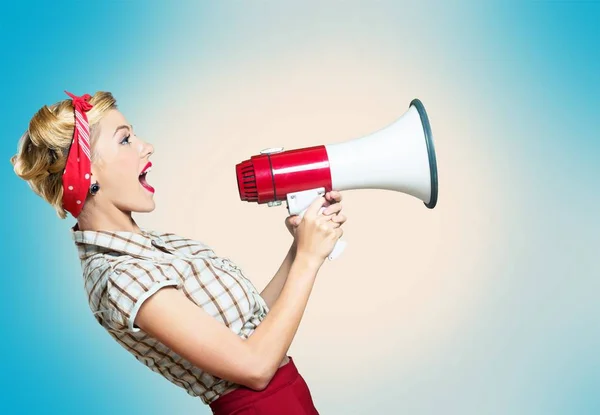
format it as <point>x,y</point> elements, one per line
<point>96,166</point>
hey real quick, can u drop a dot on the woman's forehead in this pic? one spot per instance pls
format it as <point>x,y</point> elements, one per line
<point>111,123</point>
<point>112,119</point>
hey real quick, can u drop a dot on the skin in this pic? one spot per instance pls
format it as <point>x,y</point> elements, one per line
<point>168,315</point>
<point>119,158</point>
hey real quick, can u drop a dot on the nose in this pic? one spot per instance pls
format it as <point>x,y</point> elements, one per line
<point>147,149</point>
<point>150,149</point>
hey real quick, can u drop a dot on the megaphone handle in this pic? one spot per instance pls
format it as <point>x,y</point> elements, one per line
<point>337,249</point>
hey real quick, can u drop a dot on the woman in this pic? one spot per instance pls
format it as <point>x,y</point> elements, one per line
<point>180,309</point>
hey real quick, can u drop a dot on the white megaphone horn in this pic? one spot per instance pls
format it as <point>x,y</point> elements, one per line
<point>400,157</point>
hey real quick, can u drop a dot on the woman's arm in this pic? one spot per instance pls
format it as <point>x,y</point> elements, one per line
<point>271,292</point>
<point>170,317</point>
<point>274,287</point>
<point>189,331</point>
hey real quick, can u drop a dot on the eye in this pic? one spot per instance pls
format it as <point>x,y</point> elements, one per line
<point>125,140</point>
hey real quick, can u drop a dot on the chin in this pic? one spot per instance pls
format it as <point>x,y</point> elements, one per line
<point>149,208</point>
<point>143,208</point>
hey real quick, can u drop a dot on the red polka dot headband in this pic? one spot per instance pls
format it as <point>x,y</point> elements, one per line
<point>76,176</point>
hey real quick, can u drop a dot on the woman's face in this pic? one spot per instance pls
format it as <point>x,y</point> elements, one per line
<point>119,158</point>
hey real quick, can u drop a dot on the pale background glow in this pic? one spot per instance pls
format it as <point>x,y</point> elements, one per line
<point>485,305</point>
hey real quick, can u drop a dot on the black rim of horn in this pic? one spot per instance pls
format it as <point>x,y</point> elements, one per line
<point>430,152</point>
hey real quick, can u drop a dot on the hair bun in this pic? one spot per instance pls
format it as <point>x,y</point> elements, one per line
<point>42,150</point>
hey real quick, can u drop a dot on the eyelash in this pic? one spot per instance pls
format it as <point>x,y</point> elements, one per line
<point>126,138</point>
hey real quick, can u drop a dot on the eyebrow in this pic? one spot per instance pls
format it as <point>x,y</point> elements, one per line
<point>120,127</point>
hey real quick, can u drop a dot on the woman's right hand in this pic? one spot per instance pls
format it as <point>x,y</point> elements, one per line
<point>317,234</point>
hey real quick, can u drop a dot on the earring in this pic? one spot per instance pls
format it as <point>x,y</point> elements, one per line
<point>94,188</point>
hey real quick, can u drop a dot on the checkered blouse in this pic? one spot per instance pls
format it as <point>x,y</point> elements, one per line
<point>122,269</point>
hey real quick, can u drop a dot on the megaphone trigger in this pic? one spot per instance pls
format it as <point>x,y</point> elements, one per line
<point>298,202</point>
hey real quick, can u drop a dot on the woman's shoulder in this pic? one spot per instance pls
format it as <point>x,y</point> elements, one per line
<point>185,244</point>
<point>106,264</point>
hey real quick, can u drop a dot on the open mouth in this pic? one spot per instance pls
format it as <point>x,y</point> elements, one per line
<point>142,178</point>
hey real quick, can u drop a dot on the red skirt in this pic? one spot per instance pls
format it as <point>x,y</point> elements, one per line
<point>287,393</point>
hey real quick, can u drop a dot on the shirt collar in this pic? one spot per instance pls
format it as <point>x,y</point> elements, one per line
<point>131,243</point>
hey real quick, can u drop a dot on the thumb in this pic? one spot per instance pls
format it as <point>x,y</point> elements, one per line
<point>314,207</point>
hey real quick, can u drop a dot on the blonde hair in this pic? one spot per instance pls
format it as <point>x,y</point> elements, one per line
<point>42,151</point>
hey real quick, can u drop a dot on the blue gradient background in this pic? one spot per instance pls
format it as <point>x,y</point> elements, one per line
<point>506,319</point>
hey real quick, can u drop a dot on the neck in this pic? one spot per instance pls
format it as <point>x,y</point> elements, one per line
<point>105,218</point>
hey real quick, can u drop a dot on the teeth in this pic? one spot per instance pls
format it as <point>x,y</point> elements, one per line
<point>146,171</point>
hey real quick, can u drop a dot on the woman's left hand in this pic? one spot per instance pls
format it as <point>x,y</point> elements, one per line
<point>331,198</point>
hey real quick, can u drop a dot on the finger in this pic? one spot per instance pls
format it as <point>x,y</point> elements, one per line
<point>314,207</point>
<point>334,196</point>
<point>339,219</point>
<point>322,217</point>
<point>335,208</point>
<point>328,225</point>
<point>336,232</point>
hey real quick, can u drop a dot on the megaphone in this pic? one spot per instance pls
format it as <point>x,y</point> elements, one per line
<point>400,157</point>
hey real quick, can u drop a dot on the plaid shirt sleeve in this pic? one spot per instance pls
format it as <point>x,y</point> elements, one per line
<point>129,285</point>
